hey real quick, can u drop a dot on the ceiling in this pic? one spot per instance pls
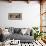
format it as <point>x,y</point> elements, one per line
<point>21,0</point>
<point>24,0</point>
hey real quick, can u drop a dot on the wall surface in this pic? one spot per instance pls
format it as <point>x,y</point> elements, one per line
<point>30,14</point>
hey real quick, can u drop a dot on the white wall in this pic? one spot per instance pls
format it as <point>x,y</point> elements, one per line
<point>30,14</point>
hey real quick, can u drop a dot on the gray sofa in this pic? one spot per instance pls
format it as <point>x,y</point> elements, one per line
<point>22,38</point>
<point>17,35</point>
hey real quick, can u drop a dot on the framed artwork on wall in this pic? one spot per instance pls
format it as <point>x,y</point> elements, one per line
<point>14,16</point>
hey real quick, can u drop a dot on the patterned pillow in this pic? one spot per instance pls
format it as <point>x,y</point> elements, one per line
<point>11,30</point>
<point>17,30</point>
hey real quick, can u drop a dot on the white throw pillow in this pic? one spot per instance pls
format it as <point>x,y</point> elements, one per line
<point>6,32</point>
<point>23,31</point>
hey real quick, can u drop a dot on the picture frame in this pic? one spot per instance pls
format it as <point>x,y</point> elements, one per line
<point>14,16</point>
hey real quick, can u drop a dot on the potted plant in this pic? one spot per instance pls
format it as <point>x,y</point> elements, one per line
<point>37,33</point>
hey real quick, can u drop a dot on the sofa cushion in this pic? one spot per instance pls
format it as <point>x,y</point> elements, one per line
<point>23,31</point>
<point>17,30</point>
<point>11,30</point>
<point>22,38</point>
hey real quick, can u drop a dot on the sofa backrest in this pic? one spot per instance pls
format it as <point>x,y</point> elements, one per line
<point>20,30</point>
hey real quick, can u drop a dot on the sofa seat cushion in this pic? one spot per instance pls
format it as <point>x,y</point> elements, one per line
<point>21,37</point>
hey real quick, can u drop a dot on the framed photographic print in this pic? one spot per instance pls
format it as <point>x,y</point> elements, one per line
<point>14,16</point>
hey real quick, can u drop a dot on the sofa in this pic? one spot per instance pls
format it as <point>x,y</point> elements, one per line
<point>16,34</point>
